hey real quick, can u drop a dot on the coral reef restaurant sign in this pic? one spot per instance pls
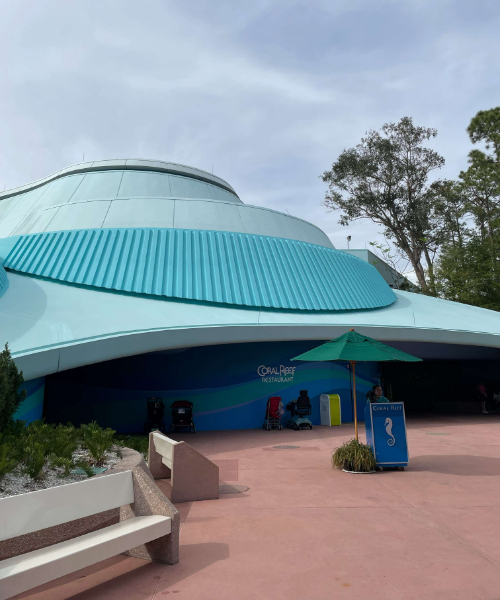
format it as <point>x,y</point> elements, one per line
<point>279,374</point>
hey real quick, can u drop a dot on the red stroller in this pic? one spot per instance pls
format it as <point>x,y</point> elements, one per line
<point>273,413</point>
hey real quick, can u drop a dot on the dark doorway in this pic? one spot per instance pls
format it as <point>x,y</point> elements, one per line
<point>440,386</point>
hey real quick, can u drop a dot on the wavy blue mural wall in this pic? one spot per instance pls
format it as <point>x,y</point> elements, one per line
<point>228,385</point>
<point>31,408</point>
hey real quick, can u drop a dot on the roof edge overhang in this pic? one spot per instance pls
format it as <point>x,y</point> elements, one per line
<point>77,353</point>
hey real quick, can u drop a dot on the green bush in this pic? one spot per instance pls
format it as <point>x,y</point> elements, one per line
<point>8,461</point>
<point>97,440</point>
<point>10,382</point>
<point>43,434</point>
<point>38,443</point>
<point>13,435</point>
<point>65,440</point>
<point>354,456</point>
<point>140,443</point>
<point>34,458</point>
<point>81,464</point>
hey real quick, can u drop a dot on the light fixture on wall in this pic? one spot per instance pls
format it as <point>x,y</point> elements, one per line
<point>348,240</point>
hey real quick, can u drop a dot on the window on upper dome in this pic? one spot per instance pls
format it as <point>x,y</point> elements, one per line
<point>137,184</point>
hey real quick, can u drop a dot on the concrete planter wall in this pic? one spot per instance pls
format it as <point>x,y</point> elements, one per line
<point>148,500</point>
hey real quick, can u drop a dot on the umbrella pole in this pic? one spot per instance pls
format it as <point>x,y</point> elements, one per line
<point>353,364</point>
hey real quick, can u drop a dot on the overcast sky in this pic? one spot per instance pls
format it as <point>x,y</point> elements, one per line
<point>265,93</point>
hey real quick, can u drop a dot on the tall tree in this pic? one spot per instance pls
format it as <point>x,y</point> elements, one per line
<point>467,273</point>
<point>10,382</point>
<point>485,127</point>
<point>469,266</point>
<point>482,178</point>
<point>450,205</point>
<point>384,178</point>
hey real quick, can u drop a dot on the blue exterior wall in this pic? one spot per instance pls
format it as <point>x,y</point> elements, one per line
<point>229,385</point>
<point>31,408</point>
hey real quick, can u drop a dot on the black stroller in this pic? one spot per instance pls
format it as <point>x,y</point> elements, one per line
<point>156,412</point>
<point>182,415</point>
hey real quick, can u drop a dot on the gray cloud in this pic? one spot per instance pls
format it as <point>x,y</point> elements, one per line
<point>268,94</point>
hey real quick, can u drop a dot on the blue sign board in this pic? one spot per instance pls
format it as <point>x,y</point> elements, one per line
<point>386,433</point>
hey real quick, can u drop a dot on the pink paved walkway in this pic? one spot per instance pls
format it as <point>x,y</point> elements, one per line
<point>304,530</point>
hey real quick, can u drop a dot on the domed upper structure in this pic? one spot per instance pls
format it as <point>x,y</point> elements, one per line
<point>141,193</point>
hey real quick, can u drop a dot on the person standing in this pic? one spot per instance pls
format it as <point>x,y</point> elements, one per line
<point>375,395</point>
<point>483,396</point>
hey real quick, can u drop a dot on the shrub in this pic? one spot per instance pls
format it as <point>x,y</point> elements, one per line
<point>65,440</point>
<point>140,443</point>
<point>34,459</point>
<point>354,456</point>
<point>97,440</point>
<point>8,461</point>
<point>43,434</point>
<point>10,382</point>
<point>85,467</point>
<point>13,435</point>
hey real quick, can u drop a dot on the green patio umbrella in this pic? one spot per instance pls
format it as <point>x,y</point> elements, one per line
<point>353,347</point>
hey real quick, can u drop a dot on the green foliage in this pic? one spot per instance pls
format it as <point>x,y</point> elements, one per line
<point>140,443</point>
<point>8,460</point>
<point>42,434</point>
<point>384,178</point>
<point>13,435</point>
<point>97,440</point>
<point>470,273</point>
<point>65,441</point>
<point>59,461</point>
<point>485,127</point>
<point>468,269</point>
<point>39,443</point>
<point>354,456</point>
<point>34,458</point>
<point>10,382</point>
<point>69,464</point>
<point>81,464</point>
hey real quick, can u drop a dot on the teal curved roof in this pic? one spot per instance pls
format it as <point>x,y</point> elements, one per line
<point>207,266</point>
<point>4,282</point>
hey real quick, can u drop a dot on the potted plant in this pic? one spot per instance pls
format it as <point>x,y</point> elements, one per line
<point>354,457</point>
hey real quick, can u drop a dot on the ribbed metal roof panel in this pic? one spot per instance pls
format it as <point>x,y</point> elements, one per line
<point>207,266</point>
<point>4,282</point>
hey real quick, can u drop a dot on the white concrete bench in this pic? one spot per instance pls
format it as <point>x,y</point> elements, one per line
<point>188,475</point>
<point>27,513</point>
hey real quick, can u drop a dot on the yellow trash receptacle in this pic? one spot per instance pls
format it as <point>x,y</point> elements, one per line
<point>330,410</point>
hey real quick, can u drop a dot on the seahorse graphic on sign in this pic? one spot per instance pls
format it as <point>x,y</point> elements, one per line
<point>388,427</point>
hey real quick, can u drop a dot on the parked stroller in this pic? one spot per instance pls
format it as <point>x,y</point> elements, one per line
<point>273,413</point>
<point>156,413</point>
<point>182,415</point>
<point>300,409</point>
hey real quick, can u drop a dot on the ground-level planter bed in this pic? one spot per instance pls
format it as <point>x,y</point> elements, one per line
<point>19,482</point>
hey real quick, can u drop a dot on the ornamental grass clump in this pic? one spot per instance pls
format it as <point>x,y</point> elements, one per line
<point>354,456</point>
